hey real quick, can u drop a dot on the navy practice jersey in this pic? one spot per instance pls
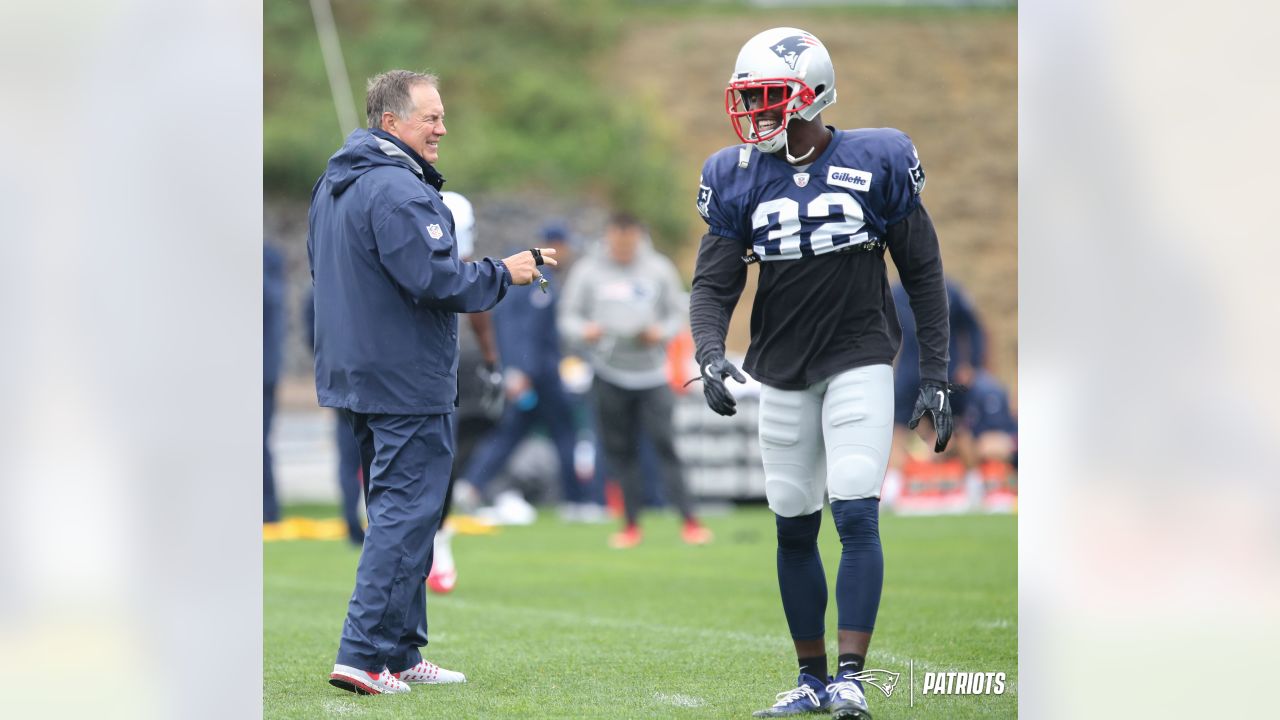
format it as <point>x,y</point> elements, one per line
<point>823,303</point>
<point>865,181</point>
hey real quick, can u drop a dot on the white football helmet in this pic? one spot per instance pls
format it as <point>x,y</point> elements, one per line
<point>464,222</point>
<point>791,71</point>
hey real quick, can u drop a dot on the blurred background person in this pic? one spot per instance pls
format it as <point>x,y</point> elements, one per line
<point>529,342</point>
<point>479,396</point>
<point>993,451</point>
<point>625,302</point>
<point>968,353</point>
<point>273,324</point>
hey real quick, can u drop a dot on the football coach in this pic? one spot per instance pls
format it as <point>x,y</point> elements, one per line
<point>388,287</point>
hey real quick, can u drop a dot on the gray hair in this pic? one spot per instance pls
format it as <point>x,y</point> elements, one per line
<point>389,92</point>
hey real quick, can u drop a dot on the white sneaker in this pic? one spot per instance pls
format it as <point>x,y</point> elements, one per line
<point>365,683</point>
<point>509,508</point>
<point>425,673</point>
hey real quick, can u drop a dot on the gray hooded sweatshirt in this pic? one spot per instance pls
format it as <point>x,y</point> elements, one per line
<point>624,300</point>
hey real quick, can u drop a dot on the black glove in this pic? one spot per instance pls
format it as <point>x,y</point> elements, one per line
<point>714,370</point>
<point>935,399</point>
<point>492,392</point>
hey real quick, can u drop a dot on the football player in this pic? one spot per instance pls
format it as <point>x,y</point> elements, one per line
<point>815,208</point>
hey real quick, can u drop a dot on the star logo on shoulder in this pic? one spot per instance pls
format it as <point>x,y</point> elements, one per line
<point>704,200</point>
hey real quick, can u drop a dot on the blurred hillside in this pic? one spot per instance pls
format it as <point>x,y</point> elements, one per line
<point>558,113</point>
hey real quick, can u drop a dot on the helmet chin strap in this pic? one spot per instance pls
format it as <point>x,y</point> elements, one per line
<point>795,160</point>
<point>786,147</point>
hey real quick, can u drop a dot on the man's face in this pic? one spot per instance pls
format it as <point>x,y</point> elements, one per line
<point>622,242</point>
<point>769,120</point>
<point>424,127</point>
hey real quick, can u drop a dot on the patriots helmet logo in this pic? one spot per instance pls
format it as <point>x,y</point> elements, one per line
<point>790,48</point>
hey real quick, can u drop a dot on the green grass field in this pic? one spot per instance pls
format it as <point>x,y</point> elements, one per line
<point>548,622</point>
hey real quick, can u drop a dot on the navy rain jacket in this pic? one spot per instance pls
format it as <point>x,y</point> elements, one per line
<point>388,282</point>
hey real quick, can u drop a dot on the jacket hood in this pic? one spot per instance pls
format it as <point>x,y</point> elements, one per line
<point>364,150</point>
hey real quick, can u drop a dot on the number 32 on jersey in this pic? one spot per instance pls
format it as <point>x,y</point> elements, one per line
<point>830,221</point>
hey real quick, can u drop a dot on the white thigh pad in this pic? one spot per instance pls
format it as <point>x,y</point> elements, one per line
<point>792,451</point>
<point>857,425</point>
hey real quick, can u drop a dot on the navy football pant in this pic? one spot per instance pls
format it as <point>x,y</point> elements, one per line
<point>407,459</point>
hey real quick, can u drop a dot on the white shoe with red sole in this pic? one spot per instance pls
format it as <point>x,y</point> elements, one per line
<point>426,673</point>
<point>366,683</point>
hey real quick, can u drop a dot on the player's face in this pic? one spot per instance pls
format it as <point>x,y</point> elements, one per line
<point>772,97</point>
<point>424,127</point>
<point>622,242</point>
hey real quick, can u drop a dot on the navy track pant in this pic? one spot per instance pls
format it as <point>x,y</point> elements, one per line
<point>407,460</point>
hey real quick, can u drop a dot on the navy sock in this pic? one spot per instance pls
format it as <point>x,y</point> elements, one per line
<point>861,575</point>
<point>850,664</point>
<point>815,666</point>
<point>800,576</point>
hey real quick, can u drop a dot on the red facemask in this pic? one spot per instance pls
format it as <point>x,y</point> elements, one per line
<point>777,94</point>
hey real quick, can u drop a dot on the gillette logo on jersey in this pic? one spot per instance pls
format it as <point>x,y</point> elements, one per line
<point>860,185</point>
<point>850,178</point>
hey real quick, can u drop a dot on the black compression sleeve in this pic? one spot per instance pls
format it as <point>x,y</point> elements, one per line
<point>718,280</point>
<point>913,244</point>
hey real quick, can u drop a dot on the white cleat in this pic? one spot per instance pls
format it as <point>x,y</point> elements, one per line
<point>426,673</point>
<point>366,683</point>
